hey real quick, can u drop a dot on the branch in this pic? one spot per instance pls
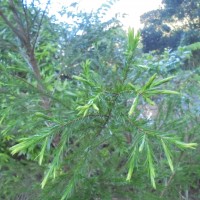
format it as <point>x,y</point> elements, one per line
<point>14,29</point>
<point>29,55</point>
<point>40,24</point>
<point>171,177</point>
<point>18,19</point>
<point>26,18</point>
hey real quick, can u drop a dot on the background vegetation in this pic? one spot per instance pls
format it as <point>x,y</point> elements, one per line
<point>89,111</point>
<point>176,24</point>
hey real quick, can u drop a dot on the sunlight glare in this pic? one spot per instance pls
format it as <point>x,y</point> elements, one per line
<point>134,9</point>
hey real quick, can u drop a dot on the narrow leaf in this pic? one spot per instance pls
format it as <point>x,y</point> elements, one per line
<point>149,101</point>
<point>185,145</point>
<point>168,155</point>
<point>42,115</point>
<point>142,143</point>
<point>95,107</point>
<point>131,165</point>
<point>134,105</point>
<point>151,166</point>
<point>86,68</point>
<point>154,92</point>
<point>41,155</point>
<point>157,83</point>
<point>148,84</point>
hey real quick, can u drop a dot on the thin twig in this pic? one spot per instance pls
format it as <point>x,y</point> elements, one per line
<point>167,185</point>
<point>26,18</point>
<point>40,24</point>
<point>172,176</point>
<point>18,19</point>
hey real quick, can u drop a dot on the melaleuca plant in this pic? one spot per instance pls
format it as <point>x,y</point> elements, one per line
<point>92,140</point>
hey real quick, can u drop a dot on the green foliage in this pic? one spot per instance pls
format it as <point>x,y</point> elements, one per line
<point>177,24</point>
<point>194,46</point>
<point>81,127</point>
<point>184,118</point>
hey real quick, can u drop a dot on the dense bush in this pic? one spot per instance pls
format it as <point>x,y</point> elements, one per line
<point>85,113</point>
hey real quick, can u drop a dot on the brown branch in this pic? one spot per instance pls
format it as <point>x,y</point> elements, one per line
<point>18,19</point>
<point>16,31</point>
<point>26,18</point>
<point>20,32</point>
<point>23,36</point>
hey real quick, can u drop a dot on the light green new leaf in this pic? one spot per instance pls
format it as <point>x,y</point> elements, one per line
<point>83,109</point>
<point>185,145</point>
<point>44,181</point>
<point>135,88</point>
<point>142,143</point>
<point>25,143</point>
<point>85,113</point>
<point>134,105</point>
<point>168,155</point>
<point>131,38</point>
<point>180,144</point>
<point>151,166</point>
<point>155,92</point>
<point>149,83</point>
<point>132,41</point>
<point>131,164</point>
<point>149,101</point>
<point>41,155</point>
<point>95,107</point>
<point>86,68</point>
<point>157,83</point>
